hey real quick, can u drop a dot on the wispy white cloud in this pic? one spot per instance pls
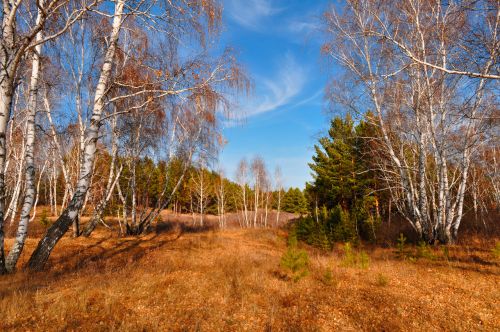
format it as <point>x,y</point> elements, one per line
<point>251,13</point>
<point>273,93</point>
<point>306,27</point>
<point>280,90</point>
<point>310,99</point>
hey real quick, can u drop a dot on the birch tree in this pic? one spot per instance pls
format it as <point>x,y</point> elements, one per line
<point>430,123</point>
<point>258,169</point>
<point>192,85</point>
<point>57,230</point>
<point>242,179</point>
<point>19,19</point>
<point>113,177</point>
<point>220,192</point>
<point>200,189</point>
<point>29,195</point>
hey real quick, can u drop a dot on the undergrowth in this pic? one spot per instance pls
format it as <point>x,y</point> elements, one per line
<point>355,259</point>
<point>295,261</point>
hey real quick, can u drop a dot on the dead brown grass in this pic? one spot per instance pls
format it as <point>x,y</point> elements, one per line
<point>182,279</point>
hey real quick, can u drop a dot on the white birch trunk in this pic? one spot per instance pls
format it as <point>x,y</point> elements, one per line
<point>30,190</point>
<point>112,180</point>
<point>59,228</point>
<point>245,207</point>
<point>6,93</point>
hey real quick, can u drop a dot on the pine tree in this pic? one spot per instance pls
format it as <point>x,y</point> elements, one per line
<point>294,201</point>
<point>344,182</point>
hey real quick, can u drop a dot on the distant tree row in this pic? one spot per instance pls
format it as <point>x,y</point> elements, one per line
<point>203,191</point>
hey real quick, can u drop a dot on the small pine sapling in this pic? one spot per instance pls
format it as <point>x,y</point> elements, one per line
<point>44,219</point>
<point>382,280</point>
<point>349,259</point>
<point>423,251</point>
<point>294,260</point>
<point>363,260</point>
<point>496,251</point>
<point>401,246</point>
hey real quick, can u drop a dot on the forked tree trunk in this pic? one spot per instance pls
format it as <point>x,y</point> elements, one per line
<point>59,228</point>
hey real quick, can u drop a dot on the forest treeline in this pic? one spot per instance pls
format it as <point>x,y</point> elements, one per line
<point>203,192</point>
<point>114,108</point>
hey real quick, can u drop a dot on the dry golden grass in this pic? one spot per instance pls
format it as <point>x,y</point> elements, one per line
<point>232,281</point>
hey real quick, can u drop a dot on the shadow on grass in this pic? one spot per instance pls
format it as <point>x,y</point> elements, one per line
<point>96,255</point>
<point>171,226</point>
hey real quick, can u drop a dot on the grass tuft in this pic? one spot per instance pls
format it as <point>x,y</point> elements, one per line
<point>382,280</point>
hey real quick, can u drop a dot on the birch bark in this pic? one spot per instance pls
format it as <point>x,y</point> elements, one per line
<point>30,190</point>
<point>59,228</point>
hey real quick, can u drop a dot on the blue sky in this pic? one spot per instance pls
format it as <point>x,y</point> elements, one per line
<point>278,44</point>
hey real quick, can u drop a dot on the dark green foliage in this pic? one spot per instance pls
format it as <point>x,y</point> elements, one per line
<point>343,186</point>
<point>341,165</point>
<point>342,225</point>
<point>329,227</point>
<point>294,201</point>
<point>313,233</point>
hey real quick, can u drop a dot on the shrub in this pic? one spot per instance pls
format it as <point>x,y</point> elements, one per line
<point>362,216</point>
<point>364,260</point>
<point>312,233</point>
<point>294,260</point>
<point>349,259</point>
<point>496,250</point>
<point>324,230</point>
<point>423,251</point>
<point>44,219</point>
<point>342,225</point>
